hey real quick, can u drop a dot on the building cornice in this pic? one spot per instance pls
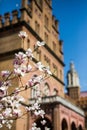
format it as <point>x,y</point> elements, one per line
<point>59,100</point>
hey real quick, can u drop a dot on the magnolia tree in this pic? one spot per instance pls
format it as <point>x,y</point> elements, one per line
<point>11,102</point>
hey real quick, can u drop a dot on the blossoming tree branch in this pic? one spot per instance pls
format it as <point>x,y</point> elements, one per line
<point>12,101</point>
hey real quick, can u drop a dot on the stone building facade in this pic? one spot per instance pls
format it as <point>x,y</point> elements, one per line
<point>37,20</point>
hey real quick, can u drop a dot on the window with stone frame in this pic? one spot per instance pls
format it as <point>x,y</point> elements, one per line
<point>54,46</point>
<point>28,43</point>
<point>55,70</point>
<point>46,21</point>
<point>60,45</point>
<point>46,37</point>
<point>46,90</point>
<point>37,27</point>
<point>61,74</point>
<point>28,22</point>
<point>47,61</point>
<point>35,90</point>
<point>55,92</point>
<point>37,54</point>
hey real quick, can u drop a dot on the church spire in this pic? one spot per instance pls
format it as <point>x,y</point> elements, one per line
<point>72,77</point>
<point>73,85</point>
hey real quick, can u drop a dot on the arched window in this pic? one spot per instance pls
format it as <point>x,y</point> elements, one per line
<point>80,127</point>
<point>55,92</point>
<point>46,90</point>
<point>35,90</point>
<point>73,126</point>
<point>43,124</point>
<point>64,125</point>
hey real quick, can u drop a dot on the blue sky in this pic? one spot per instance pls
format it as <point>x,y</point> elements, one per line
<point>72,16</point>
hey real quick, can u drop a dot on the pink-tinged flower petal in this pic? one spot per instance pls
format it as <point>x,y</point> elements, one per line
<point>5,73</point>
<point>20,58</point>
<point>29,53</point>
<point>22,34</point>
<point>2,93</point>
<point>39,66</point>
<point>35,80</point>
<point>21,70</point>
<point>29,68</point>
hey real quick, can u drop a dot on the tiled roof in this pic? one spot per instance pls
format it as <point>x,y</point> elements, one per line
<point>83,94</point>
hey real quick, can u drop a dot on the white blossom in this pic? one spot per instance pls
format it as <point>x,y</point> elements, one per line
<point>22,34</point>
<point>47,70</point>
<point>34,127</point>
<point>39,113</point>
<point>38,43</point>
<point>29,53</point>
<point>43,122</point>
<point>39,66</point>
<point>21,70</point>
<point>9,125</point>
<point>35,80</point>
<point>20,58</point>
<point>1,125</point>
<point>46,128</point>
<point>5,73</point>
<point>28,68</point>
<point>7,112</point>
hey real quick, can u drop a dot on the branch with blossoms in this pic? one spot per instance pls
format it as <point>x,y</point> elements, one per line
<point>11,102</point>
